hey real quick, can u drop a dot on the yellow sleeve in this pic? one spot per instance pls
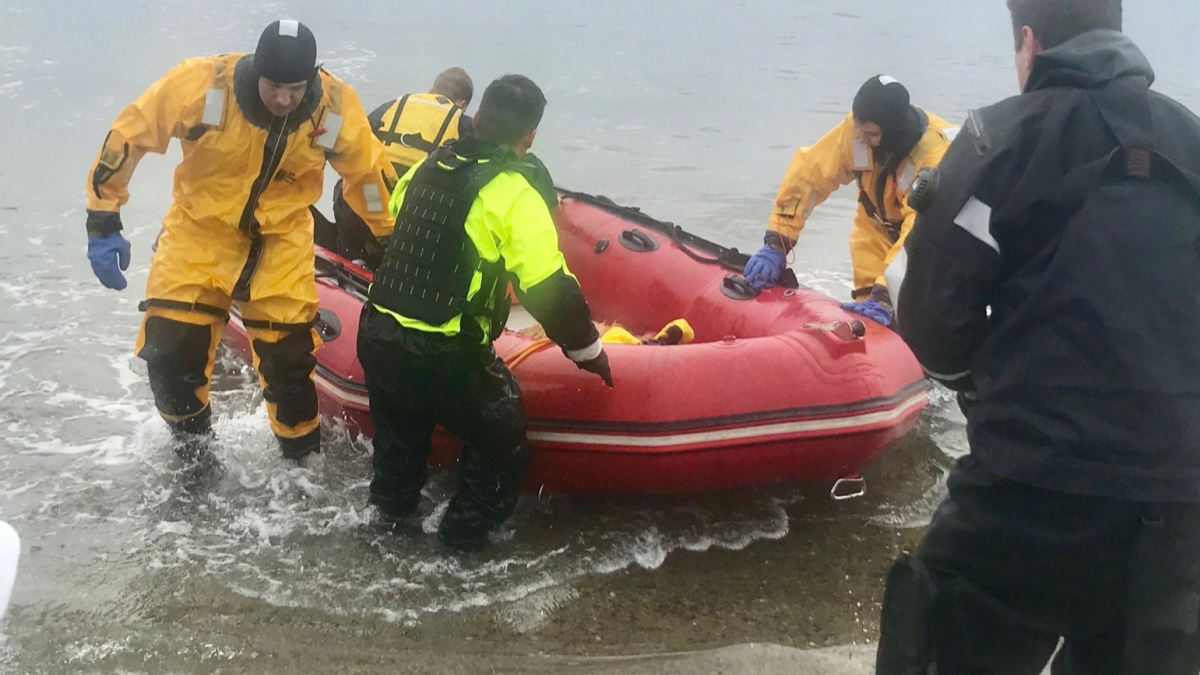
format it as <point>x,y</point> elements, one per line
<point>814,174</point>
<point>931,159</point>
<point>170,107</point>
<point>529,240</point>
<point>367,175</point>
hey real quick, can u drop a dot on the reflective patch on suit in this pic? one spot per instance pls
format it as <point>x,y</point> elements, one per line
<point>332,126</point>
<point>289,28</point>
<point>894,275</point>
<point>909,172</point>
<point>976,218</point>
<point>862,155</point>
<point>888,79</point>
<point>373,198</point>
<point>214,108</point>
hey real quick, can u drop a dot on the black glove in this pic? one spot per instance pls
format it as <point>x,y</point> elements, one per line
<point>599,366</point>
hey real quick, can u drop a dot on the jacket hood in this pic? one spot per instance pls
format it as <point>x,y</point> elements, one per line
<point>1088,61</point>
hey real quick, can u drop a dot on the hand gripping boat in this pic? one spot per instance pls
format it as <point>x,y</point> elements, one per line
<point>781,385</point>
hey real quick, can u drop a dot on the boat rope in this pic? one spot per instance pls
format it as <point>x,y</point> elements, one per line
<point>514,360</point>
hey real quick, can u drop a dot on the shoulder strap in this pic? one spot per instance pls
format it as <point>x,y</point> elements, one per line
<point>390,136</point>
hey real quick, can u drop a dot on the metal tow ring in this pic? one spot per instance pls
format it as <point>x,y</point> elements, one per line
<point>855,486</point>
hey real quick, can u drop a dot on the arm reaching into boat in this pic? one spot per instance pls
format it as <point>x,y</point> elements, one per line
<point>544,284</point>
<point>368,177</point>
<point>814,173</point>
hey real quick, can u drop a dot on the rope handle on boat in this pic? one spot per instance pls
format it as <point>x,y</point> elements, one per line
<point>515,360</point>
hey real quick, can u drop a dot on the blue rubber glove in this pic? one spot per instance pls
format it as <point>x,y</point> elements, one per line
<point>109,255</point>
<point>872,309</point>
<point>764,267</point>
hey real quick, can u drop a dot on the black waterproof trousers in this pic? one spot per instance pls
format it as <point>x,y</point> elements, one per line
<point>1006,570</point>
<point>418,380</point>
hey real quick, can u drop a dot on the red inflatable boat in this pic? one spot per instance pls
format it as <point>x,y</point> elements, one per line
<point>781,385</point>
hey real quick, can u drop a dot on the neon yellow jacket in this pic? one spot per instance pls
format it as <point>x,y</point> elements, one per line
<point>508,219</point>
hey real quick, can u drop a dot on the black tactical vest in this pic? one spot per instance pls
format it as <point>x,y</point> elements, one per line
<point>430,260</point>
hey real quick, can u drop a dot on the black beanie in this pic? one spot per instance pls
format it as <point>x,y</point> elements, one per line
<point>884,101</point>
<point>287,53</point>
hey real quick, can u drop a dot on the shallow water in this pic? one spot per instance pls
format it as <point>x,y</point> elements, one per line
<point>689,110</point>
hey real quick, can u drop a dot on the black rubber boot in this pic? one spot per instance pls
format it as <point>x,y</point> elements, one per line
<point>192,436</point>
<point>298,448</point>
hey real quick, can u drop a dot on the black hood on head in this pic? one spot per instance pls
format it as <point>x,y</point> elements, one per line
<point>245,90</point>
<point>1088,61</point>
<point>883,101</point>
<point>286,53</point>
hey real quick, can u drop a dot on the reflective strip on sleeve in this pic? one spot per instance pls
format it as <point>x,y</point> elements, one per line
<point>587,353</point>
<point>214,107</point>
<point>333,126</point>
<point>894,275</point>
<point>976,218</point>
<point>372,197</point>
<point>904,182</point>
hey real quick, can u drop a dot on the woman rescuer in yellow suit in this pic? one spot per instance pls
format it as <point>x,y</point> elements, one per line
<point>256,132</point>
<point>881,146</point>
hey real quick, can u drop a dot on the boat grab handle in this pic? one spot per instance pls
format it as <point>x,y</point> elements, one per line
<point>850,487</point>
<point>736,287</point>
<point>638,241</point>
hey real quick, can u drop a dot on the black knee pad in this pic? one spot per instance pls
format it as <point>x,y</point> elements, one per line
<point>176,356</point>
<point>287,366</point>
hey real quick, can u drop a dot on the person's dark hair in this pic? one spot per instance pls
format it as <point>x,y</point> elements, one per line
<point>1056,21</point>
<point>454,84</point>
<point>512,106</point>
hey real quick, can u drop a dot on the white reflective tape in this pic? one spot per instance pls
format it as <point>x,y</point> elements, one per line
<point>333,126</point>
<point>909,172</point>
<point>894,275</point>
<point>951,133</point>
<point>976,218</point>
<point>289,28</point>
<point>587,353</point>
<point>661,442</point>
<point>373,198</point>
<point>888,79</point>
<point>862,155</point>
<point>214,108</point>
